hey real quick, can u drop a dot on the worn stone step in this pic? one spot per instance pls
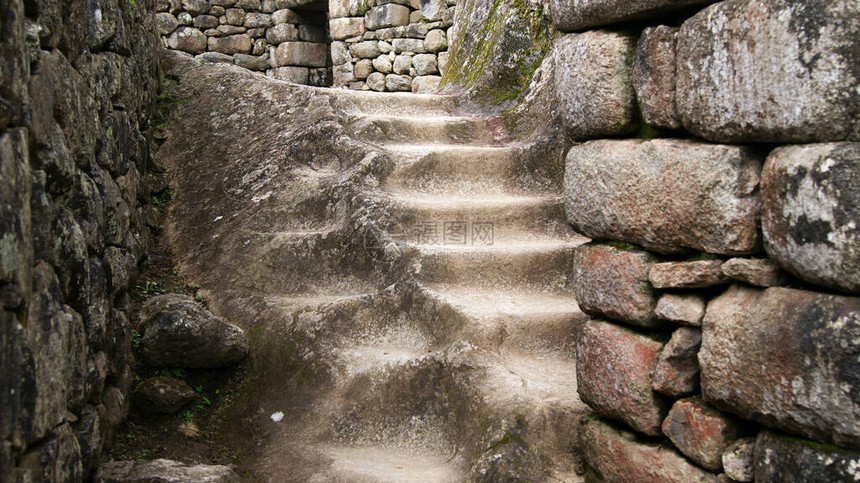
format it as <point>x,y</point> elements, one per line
<point>423,129</point>
<point>382,464</point>
<point>392,103</point>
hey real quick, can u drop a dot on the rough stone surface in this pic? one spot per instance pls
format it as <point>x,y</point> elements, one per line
<point>677,370</point>
<point>363,68</point>
<point>344,28</point>
<point>425,84</point>
<point>687,309</point>
<point>803,379</point>
<point>700,432</point>
<point>296,75</point>
<point>738,460</point>
<point>281,33</point>
<point>789,75</point>
<point>679,275</point>
<point>614,374</point>
<point>789,459</point>
<point>573,15</point>
<point>654,77</point>
<point>415,46</point>
<point>436,41</point>
<point>376,81</point>
<point>425,64</point>
<point>365,50</point>
<point>178,332</point>
<point>687,194</point>
<point>383,64</point>
<point>166,23</point>
<point>593,81</point>
<point>761,272</point>
<point>388,15</point>
<point>232,44</point>
<point>252,62</point>
<point>163,471</point>
<point>398,83</point>
<point>810,212</point>
<point>187,39</point>
<point>163,395</point>
<point>613,282</point>
<point>615,456</point>
<point>304,54</point>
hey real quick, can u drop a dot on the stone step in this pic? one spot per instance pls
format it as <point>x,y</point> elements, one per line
<point>382,464</point>
<point>392,103</point>
<point>423,129</point>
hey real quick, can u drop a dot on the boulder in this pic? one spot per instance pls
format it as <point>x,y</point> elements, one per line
<point>667,195</point>
<point>687,309</point>
<point>785,358</point>
<point>654,77</point>
<point>592,79</point>
<point>781,458</point>
<point>811,212</point>
<point>614,374</point>
<point>771,71</point>
<point>700,432</point>
<point>163,395</point>
<point>677,370</point>
<point>178,332</point>
<point>613,455</point>
<point>761,272</point>
<point>166,23</point>
<point>682,275</point>
<point>187,39</point>
<point>388,15</point>
<point>163,471</point>
<point>613,282</point>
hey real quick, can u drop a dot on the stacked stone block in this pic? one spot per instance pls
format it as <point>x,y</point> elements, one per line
<point>286,39</point>
<point>390,45</point>
<point>723,275</point>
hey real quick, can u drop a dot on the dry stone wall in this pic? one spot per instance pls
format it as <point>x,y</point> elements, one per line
<point>77,87</point>
<point>723,273</point>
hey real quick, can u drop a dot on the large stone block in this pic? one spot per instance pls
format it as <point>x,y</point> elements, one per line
<point>573,15</point>
<point>781,458</point>
<point>301,54</point>
<point>593,82</point>
<point>701,432</point>
<point>811,212</point>
<point>187,39</point>
<point>613,282</point>
<point>654,77</point>
<point>771,71</point>
<point>164,470</point>
<point>616,456</point>
<point>786,358</point>
<point>344,28</point>
<point>686,275</point>
<point>388,15</point>
<point>666,195</point>
<point>614,369</point>
<point>233,44</point>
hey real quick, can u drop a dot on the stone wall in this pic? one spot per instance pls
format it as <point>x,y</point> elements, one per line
<point>724,272</point>
<point>77,86</point>
<point>286,39</point>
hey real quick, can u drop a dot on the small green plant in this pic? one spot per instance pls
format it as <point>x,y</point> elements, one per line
<point>177,373</point>
<point>135,339</point>
<point>188,416</point>
<point>165,105</point>
<point>150,288</point>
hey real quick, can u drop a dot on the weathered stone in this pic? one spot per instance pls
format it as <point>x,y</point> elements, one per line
<point>613,455</point>
<point>592,78</point>
<point>402,64</point>
<point>688,194</point>
<point>248,4</point>
<point>376,81</point>
<point>443,62</point>
<point>233,44</point>
<point>231,29</point>
<point>56,459</point>
<point>320,77</point>
<point>385,47</point>
<point>286,15</point>
<point>296,75</point>
<point>205,22</point>
<point>363,68</point>
<point>185,19</point>
<point>340,53</point>
<point>398,83</point>
<point>436,41</point>
<point>312,33</point>
<point>166,23</point>
<point>163,395</point>
<point>763,71</point>
<point>803,378</point>
<point>697,274</point>
<point>810,212</point>
<point>252,62</point>
<point>388,15</point>
<point>781,458</point>
<point>573,15</point>
<point>425,64</point>
<point>613,282</point>
<point>195,7</point>
<point>433,9</point>
<point>281,33</point>
<point>738,460</point>
<point>414,46</point>
<point>187,39</point>
<point>654,77</point>
<point>343,74</point>
<point>258,20</point>
<point>301,54</point>
<point>235,16</point>
<point>762,272</point>
<point>344,28</point>
<point>382,64</point>
<point>365,50</point>
<point>700,432</point>
<point>214,58</point>
<point>613,373</point>
<point>677,370</point>
<point>425,84</point>
<point>682,309</point>
<point>178,332</point>
<point>163,471</point>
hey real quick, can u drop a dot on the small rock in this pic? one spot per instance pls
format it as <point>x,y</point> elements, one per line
<point>383,64</point>
<point>195,7</point>
<point>369,49</point>
<point>425,64</point>
<point>163,471</point>
<point>187,39</point>
<point>285,15</point>
<point>415,46</point>
<point>425,84</point>
<point>166,23</point>
<point>214,58</point>
<point>340,53</point>
<point>402,64</point>
<point>739,461</point>
<point>163,395</point>
<point>682,309</point>
<point>677,370</point>
<point>698,274</point>
<point>376,81</point>
<point>398,83</point>
<point>363,68</point>
<point>206,22</point>
<point>700,432</point>
<point>435,41</point>
<point>761,272</point>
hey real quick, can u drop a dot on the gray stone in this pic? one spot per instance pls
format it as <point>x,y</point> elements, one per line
<point>252,62</point>
<point>687,309</point>
<point>163,395</point>
<point>414,46</point>
<point>789,76</point>
<point>677,370</point>
<point>368,49</point>
<point>433,9</point>
<point>231,29</point>
<point>195,7</point>
<point>811,212</point>
<point>56,459</point>
<point>301,54</point>
<point>376,81</point>
<point>443,62</point>
<point>425,84</point>
<point>617,456</point>
<point>613,282</point>
<point>436,41</point>
<point>166,23</point>
<point>340,53</point>
<point>700,432</point>
<point>573,15</point>
<point>184,19</point>
<point>344,74</point>
<point>593,82</point>
<point>425,64</point>
<point>385,47</point>
<point>382,64</point>
<point>214,58</point>
<point>738,460</point>
<point>344,28</point>
<point>187,39</point>
<point>688,195</point>
<point>802,378</point>
<point>781,458</point>
<point>286,15</point>
<point>233,44</point>
<point>205,22</point>
<point>402,64</point>
<point>235,16</point>
<point>614,375</point>
<point>363,68</point>
<point>178,332</point>
<point>398,83</point>
<point>296,75</point>
<point>258,20</point>
<point>163,471</point>
<point>388,15</point>
<point>281,33</point>
<point>249,4</point>
<point>761,272</point>
<point>681,275</point>
<point>654,77</point>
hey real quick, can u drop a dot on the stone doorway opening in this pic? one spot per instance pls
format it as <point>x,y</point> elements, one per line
<point>303,44</point>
